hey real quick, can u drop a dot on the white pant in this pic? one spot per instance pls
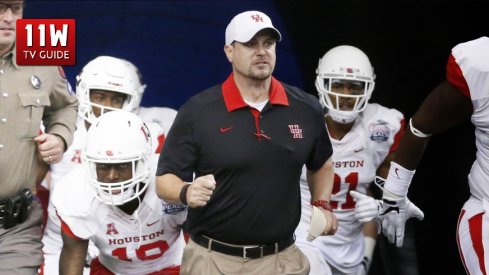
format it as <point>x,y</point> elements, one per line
<point>316,261</point>
<point>473,236</point>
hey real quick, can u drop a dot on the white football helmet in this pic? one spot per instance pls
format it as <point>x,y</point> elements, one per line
<point>344,63</point>
<point>110,74</point>
<point>118,137</point>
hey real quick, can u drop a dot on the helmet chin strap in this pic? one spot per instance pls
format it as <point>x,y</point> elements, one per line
<point>136,214</point>
<point>116,199</point>
<point>343,118</point>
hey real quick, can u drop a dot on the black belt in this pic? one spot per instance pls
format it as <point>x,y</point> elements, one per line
<point>244,251</point>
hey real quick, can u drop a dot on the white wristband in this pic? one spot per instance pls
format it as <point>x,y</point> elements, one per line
<point>417,132</point>
<point>369,246</point>
<point>398,180</point>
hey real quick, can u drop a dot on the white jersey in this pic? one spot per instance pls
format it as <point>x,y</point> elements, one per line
<point>158,120</point>
<point>162,116</point>
<point>468,71</point>
<point>72,157</point>
<point>472,58</point>
<point>356,158</point>
<point>147,241</point>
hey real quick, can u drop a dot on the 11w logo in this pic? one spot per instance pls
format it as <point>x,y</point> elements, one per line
<point>45,42</point>
<point>60,36</point>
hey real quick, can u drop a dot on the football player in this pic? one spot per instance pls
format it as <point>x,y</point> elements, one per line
<point>364,137</point>
<point>104,84</point>
<point>462,96</point>
<point>111,200</point>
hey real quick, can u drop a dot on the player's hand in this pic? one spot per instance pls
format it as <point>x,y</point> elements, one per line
<point>366,207</point>
<point>396,210</point>
<point>200,191</point>
<point>51,148</point>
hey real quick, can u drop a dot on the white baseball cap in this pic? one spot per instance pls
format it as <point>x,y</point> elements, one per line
<point>246,24</point>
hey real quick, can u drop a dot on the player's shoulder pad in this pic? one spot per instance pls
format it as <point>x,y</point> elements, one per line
<point>153,164</point>
<point>474,52</point>
<point>155,129</point>
<point>472,59</point>
<point>163,116</point>
<point>167,208</point>
<point>377,113</point>
<point>71,196</point>
<point>155,112</point>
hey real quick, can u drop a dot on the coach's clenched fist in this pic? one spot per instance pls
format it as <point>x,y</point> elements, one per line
<point>200,191</point>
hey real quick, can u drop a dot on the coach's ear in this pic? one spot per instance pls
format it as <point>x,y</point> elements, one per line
<point>228,50</point>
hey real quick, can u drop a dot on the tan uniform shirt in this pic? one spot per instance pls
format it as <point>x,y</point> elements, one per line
<point>29,94</point>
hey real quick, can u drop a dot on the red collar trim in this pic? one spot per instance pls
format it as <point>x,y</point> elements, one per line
<point>234,100</point>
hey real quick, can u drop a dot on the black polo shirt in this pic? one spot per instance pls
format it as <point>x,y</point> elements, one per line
<point>255,157</point>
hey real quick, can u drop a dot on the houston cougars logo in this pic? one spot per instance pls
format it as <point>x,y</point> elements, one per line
<point>296,131</point>
<point>257,18</point>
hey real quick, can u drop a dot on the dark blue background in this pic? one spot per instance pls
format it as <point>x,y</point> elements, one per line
<point>177,45</point>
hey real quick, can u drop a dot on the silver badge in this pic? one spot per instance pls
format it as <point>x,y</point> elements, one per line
<point>36,82</point>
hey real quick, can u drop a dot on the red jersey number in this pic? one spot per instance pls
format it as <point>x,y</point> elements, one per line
<point>156,249</point>
<point>352,181</point>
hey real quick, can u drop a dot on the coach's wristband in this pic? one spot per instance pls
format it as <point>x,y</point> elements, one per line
<point>183,194</point>
<point>324,204</point>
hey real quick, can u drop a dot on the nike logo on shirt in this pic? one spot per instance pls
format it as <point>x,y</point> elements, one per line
<point>224,130</point>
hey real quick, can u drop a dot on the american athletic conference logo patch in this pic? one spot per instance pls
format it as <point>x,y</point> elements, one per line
<point>378,131</point>
<point>111,230</point>
<point>172,209</point>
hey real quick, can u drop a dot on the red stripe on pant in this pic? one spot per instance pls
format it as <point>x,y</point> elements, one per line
<point>475,228</point>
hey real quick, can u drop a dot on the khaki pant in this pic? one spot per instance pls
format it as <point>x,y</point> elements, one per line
<point>198,260</point>
<point>20,246</point>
